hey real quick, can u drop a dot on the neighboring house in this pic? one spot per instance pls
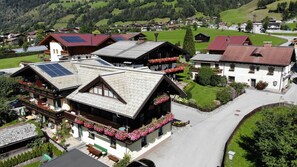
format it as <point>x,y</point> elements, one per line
<point>220,43</point>
<point>74,46</point>
<point>206,60</point>
<point>158,56</point>
<point>257,27</point>
<point>202,37</point>
<point>274,25</point>
<point>74,158</point>
<point>251,64</point>
<point>118,110</point>
<point>31,37</point>
<point>128,36</point>
<point>40,48</point>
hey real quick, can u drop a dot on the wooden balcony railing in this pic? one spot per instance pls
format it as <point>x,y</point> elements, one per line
<point>163,60</point>
<point>174,70</point>
<point>91,118</point>
<point>43,109</point>
<point>31,87</point>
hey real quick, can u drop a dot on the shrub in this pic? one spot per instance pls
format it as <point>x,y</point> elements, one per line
<point>239,87</point>
<point>192,103</point>
<point>204,76</point>
<point>1,164</point>
<point>224,95</point>
<point>123,162</point>
<point>261,85</point>
<point>215,80</point>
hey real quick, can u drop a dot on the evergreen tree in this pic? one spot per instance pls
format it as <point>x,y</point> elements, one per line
<point>189,44</point>
<point>249,26</point>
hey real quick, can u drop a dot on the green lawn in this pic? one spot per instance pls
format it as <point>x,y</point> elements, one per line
<point>175,36</point>
<point>285,34</point>
<point>35,164</point>
<point>14,62</point>
<point>246,130</point>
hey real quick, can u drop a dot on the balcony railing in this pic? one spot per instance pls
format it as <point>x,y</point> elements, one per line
<point>43,109</point>
<point>215,70</point>
<point>163,60</point>
<point>47,52</point>
<point>174,70</point>
<point>31,87</point>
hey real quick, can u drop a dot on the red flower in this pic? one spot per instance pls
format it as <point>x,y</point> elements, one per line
<point>99,128</point>
<point>121,135</point>
<point>88,125</point>
<point>161,99</point>
<point>109,131</point>
<point>79,121</point>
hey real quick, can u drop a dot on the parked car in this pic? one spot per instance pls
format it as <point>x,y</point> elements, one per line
<point>142,163</point>
<point>294,80</point>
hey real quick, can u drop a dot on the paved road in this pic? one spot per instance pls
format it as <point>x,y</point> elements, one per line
<point>202,143</point>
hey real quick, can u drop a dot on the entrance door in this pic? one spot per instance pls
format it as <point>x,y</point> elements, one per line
<point>253,82</point>
<point>79,131</point>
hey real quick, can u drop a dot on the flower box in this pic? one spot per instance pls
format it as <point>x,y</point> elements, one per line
<point>79,121</point>
<point>135,135</point>
<point>161,99</point>
<point>163,60</point>
<point>98,128</point>
<point>109,131</point>
<point>121,135</point>
<point>88,125</point>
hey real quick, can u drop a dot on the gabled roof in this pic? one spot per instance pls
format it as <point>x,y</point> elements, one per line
<point>132,49</point>
<point>128,36</point>
<point>220,43</point>
<point>279,56</point>
<point>70,40</point>
<point>202,35</point>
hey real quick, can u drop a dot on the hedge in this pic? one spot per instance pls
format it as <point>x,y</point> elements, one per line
<point>46,148</point>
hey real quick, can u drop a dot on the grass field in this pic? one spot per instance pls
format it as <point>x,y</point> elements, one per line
<point>14,62</point>
<point>246,130</point>
<point>247,12</point>
<point>176,36</point>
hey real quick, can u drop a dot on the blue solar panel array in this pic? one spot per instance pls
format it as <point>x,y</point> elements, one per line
<point>72,39</point>
<point>54,70</point>
<point>103,62</point>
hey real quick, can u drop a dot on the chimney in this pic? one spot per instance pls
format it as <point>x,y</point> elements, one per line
<point>140,40</point>
<point>267,43</point>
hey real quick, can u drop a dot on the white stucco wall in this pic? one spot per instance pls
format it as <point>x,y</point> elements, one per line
<point>135,150</point>
<point>241,74</point>
<point>55,50</point>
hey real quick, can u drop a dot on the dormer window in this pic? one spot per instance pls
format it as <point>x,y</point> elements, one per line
<point>102,90</point>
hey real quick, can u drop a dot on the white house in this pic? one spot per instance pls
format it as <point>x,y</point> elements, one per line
<point>251,64</point>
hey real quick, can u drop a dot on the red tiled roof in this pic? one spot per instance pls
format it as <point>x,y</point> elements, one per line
<point>220,43</point>
<point>280,56</point>
<point>87,39</point>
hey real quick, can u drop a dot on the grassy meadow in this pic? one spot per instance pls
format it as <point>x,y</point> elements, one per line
<point>176,36</point>
<point>15,61</point>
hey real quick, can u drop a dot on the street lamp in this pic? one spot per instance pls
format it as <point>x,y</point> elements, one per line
<point>231,155</point>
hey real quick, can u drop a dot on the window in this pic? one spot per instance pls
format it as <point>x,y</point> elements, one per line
<point>258,68</point>
<point>160,131</point>
<point>217,66</point>
<point>270,70</point>
<point>113,143</point>
<point>91,135</point>
<point>231,79</point>
<point>143,141</point>
<point>205,64</point>
<point>54,50</point>
<point>102,90</point>
<point>252,69</point>
<point>232,67</point>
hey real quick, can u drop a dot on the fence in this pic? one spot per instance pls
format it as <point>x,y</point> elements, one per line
<point>243,120</point>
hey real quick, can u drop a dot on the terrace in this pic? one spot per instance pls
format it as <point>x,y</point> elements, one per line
<point>40,89</point>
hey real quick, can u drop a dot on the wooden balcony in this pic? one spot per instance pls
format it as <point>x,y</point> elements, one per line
<point>31,87</point>
<point>174,70</point>
<point>44,110</point>
<point>47,52</point>
<point>91,118</point>
<point>163,60</point>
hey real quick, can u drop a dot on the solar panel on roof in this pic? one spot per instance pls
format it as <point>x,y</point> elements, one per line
<point>72,39</point>
<point>54,70</point>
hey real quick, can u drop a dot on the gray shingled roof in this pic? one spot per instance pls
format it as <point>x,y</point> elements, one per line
<point>74,158</point>
<point>134,86</point>
<point>207,57</point>
<point>127,49</point>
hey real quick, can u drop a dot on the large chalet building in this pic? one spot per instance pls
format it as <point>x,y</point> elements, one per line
<point>74,46</point>
<point>158,56</point>
<point>251,64</point>
<point>220,43</point>
<point>120,110</point>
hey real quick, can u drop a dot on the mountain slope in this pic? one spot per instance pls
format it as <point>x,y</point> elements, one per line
<point>248,11</point>
<point>26,15</point>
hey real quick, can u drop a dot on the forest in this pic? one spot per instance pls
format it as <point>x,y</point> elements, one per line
<point>21,15</point>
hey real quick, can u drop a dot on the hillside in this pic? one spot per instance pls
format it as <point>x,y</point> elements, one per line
<point>248,11</point>
<point>26,15</point>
